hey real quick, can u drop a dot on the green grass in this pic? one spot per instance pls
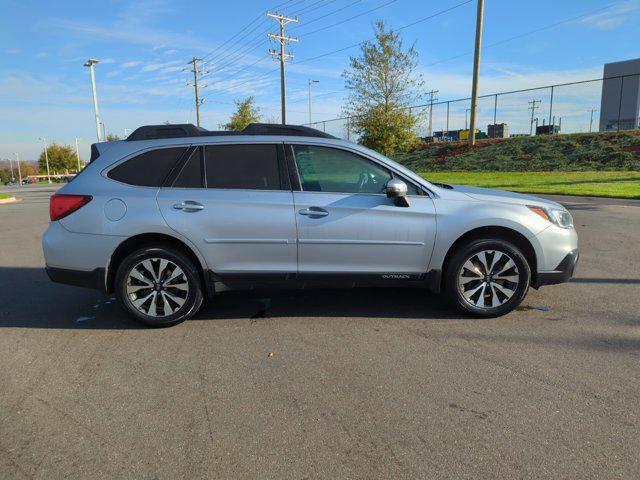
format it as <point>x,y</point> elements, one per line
<point>596,184</point>
<point>613,151</point>
<point>5,195</point>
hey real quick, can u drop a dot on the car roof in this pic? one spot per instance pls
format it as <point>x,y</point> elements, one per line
<point>186,130</point>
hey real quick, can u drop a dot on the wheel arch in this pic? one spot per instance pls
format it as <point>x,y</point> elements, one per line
<point>136,242</point>
<point>494,232</point>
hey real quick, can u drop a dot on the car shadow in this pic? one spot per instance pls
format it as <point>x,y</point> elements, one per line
<point>30,300</point>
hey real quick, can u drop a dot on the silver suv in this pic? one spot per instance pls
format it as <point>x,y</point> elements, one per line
<point>174,213</point>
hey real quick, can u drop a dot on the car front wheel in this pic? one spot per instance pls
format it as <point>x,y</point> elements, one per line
<point>487,277</point>
<point>158,286</point>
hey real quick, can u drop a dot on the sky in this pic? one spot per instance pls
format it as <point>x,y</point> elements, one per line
<point>144,46</point>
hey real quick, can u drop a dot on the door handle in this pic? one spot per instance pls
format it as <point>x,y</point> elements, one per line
<point>314,212</point>
<point>189,206</point>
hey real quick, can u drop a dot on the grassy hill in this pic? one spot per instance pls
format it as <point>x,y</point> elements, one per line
<point>613,151</point>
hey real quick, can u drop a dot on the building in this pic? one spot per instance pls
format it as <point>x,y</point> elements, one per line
<point>620,102</point>
<point>547,129</point>
<point>498,130</point>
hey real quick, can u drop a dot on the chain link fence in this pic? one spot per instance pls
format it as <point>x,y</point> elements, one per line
<point>602,104</point>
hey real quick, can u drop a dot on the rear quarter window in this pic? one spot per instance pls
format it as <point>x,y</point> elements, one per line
<point>149,169</point>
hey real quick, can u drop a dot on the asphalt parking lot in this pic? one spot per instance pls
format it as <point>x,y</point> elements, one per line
<point>361,384</point>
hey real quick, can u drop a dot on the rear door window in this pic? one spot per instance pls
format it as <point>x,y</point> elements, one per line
<point>149,169</point>
<point>247,167</point>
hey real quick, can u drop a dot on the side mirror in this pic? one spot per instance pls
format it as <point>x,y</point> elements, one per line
<point>397,190</point>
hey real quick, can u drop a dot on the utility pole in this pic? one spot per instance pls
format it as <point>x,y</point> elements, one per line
<point>535,104</point>
<point>19,171</point>
<point>476,72</point>
<point>432,99</point>
<point>591,120</point>
<point>77,154</point>
<point>90,63</point>
<point>282,56</point>
<point>310,82</point>
<point>199,101</point>
<point>46,157</point>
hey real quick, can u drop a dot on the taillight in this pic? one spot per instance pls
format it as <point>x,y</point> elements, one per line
<point>61,205</point>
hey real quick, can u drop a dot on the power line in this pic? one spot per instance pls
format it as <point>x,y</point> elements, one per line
<point>263,42</point>
<point>348,19</point>
<point>244,54</point>
<point>307,22</point>
<point>258,17</point>
<point>525,34</point>
<point>424,19</point>
<point>309,8</point>
<point>230,54</point>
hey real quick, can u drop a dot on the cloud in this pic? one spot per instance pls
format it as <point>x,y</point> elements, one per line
<point>170,52</point>
<point>131,64</point>
<point>613,17</point>
<point>153,67</point>
<point>42,55</point>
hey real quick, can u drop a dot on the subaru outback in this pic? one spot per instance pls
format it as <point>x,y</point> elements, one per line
<point>175,214</point>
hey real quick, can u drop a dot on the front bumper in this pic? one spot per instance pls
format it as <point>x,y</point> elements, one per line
<point>562,273</point>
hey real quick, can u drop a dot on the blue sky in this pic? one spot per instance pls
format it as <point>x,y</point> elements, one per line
<point>144,46</point>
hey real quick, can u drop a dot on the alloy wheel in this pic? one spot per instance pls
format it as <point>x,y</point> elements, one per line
<point>157,287</point>
<point>488,279</point>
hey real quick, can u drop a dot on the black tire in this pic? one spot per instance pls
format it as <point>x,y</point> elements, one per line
<point>192,300</point>
<point>454,269</point>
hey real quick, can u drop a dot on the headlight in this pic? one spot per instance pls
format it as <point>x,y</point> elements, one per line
<point>557,216</point>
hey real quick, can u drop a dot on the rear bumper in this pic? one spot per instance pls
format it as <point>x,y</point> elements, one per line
<point>562,273</point>
<point>79,278</point>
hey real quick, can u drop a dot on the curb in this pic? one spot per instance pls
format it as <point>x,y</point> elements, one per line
<point>8,200</point>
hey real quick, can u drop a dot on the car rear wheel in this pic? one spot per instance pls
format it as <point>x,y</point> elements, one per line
<point>487,277</point>
<point>158,286</point>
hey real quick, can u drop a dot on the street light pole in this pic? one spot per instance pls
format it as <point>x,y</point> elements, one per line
<point>11,168</point>
<point>90,63</point>
<point>19,171</point>
<point>309,83</point>
<point>46,157</point>
<point>476,72</point>
<point>77,154</point>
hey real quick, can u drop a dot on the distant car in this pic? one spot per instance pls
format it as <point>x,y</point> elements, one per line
<point>175,212</point>
<point>11,183</point>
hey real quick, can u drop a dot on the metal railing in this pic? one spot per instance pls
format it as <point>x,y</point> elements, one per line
<point>570,107</point>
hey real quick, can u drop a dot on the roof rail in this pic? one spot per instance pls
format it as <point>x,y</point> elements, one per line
<point>152,132</point>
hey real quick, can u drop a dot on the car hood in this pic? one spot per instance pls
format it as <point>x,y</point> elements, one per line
<point>502,196</point>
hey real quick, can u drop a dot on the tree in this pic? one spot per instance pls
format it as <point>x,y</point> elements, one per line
<point>383,83</point>
<point>62,159</point>
<point>246,113</point>
<point>112,137</point>
<point>28,168</point>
